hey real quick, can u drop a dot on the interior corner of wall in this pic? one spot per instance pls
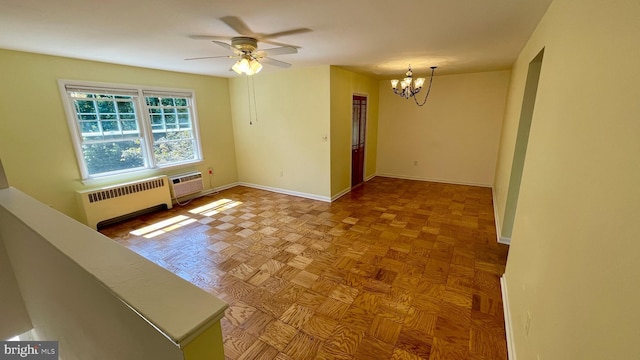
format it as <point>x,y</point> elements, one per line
<point>4,182</point>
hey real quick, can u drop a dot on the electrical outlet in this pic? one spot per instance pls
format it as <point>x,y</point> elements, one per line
<point>325,138</point>
<point>415,162</point>
<point>527,324</point>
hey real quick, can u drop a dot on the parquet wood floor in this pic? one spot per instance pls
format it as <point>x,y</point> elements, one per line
<point>396,269</point>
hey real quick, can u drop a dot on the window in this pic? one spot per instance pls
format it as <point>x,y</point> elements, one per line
<point>119,130</point>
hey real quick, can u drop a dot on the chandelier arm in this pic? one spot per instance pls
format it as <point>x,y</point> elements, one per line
<point>433,68</point>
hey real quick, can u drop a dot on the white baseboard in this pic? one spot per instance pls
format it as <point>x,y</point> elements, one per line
<point>224,187</point>
<point>286,192</point>
<point>370,177</point>
<point>204,193</point>
<point>444,181</point>
<point>507,319</point>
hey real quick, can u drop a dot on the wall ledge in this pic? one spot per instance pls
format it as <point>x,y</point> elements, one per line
<point>153,292</point>
<point>507,319</point>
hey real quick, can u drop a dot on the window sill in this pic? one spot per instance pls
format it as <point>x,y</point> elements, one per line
<point>138,174</point>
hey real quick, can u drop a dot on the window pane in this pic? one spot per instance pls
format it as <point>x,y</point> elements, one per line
<point>106,107</point>
<point>130,126</point>
<point>173,140</point>
<point>85,107</point>
<point>184,121</point>
<point>167,102</point>
<point>89,127</point>
<point>110,126</point>
<point>153,101</point>
<point>174,151</point>
<point>112,156</point>
<point>125,107</point>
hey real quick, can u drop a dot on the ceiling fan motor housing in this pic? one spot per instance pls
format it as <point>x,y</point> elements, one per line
<point>244,44</point>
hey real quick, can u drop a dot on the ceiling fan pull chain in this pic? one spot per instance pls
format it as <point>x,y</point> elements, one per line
<point>255,106</point>
<point>249,98</point>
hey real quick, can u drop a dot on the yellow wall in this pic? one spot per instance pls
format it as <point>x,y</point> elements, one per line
<point>573,262</point>
<point>279,132</point>
<point>454,137</point>
<point>35,143</point>
<point>344,84</point>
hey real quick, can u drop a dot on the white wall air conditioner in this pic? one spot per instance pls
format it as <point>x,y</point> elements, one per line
<point>186,184</point>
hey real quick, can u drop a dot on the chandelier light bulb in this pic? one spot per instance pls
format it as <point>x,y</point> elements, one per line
<point>410,87</point>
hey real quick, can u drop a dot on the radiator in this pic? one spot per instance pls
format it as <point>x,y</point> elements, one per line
<point>118,200</point>
<point>186,184</point>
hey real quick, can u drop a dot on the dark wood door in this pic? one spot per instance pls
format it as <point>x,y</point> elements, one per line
<point>359,125</point>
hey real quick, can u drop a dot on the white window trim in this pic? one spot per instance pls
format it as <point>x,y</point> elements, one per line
<point>150,165</point>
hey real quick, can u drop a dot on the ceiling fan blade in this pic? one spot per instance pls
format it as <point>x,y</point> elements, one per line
<point>286,33</point>
<point>208,37</point>
<point>237,24</point>
<point>279,51</point>
<point>276,43</point>
<point>210,57</point>
<point>223,44</point>
<point>275,62</point>
<point>228,47</point>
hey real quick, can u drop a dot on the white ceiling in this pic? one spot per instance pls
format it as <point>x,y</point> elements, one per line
<point>375,37</point>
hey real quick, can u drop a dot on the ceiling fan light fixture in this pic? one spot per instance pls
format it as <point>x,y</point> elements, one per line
<point>254,66</point>
<point>241,66</point>
<point>247,66</point>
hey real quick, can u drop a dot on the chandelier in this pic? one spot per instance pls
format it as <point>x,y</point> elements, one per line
<point>410,87</point>
<point>247,65</point>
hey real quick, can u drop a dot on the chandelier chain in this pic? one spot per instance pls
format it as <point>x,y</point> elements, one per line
<point>433,68</point>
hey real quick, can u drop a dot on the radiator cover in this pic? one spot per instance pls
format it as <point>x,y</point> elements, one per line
<point>122,199</point>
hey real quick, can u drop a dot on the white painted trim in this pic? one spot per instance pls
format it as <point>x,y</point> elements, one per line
<point>495,214</point>
<point>507,319</point>
<point>504,240</point>
<point>340,194</point>
<point>223,187</point>
<point>445,181</point>
<point>287,192</point>
<point>204,193</point>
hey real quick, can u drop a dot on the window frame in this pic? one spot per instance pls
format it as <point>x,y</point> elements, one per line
<point>143,118</point>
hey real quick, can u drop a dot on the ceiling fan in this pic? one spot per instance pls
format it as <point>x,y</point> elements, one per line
<point>245,47</point>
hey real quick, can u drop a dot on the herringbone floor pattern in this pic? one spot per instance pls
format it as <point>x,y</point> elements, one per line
<point>397,269</point>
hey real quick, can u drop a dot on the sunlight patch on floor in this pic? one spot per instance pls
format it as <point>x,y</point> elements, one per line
<point>215,207</point>
<point>163,226</point>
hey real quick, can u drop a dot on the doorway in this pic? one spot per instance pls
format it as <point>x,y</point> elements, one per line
<point>359,127</point>
<point>520,151</point>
